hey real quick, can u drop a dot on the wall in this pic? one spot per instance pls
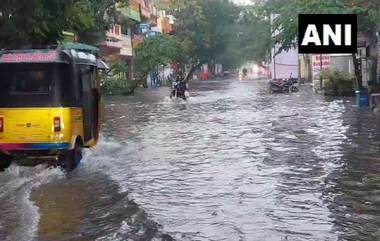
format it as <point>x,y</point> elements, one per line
<point>285,64</point>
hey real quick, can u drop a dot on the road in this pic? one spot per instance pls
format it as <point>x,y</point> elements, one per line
<point>232,163</point>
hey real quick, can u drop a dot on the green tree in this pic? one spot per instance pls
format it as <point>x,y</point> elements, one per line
<point>205,26</point>
<point>33,23</point>
<point>221,31</point>
<point>161,50</point>
<point>249,40</point>
<point>116,82</point>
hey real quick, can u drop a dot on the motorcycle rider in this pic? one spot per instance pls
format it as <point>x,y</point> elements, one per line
<point>179,86</point>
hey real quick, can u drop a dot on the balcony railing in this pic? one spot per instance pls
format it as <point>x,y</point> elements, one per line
<point>111,44</point>
<point>114,32</point>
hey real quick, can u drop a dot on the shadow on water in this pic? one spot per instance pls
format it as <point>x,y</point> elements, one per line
<point>87,205</point>
<point>45,204</point>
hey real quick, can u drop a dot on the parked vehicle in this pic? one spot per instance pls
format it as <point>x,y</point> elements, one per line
<point>227,73</point>
<point>283,85</point>
<point>50,105</point>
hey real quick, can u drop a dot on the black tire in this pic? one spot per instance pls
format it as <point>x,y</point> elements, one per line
<point>173,94</point>
<point>69,160</point>
<point>5,162</point>
<point>295,89</point>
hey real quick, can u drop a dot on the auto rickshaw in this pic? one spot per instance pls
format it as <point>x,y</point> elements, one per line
<point>50,105</point>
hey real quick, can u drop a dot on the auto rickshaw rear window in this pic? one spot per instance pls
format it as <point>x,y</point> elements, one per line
<point>28,85</point>
<point>30,82</point>
<point>16,79</point>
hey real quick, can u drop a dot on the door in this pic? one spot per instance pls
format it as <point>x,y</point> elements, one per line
<point>89,102</point>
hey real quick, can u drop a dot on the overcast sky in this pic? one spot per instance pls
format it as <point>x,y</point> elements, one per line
<point>243,1</point>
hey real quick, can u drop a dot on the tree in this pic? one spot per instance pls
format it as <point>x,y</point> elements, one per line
<point>161,50</point>
<point>101,13</point>
<point>205,26</point>
<point>249,40</point>
<point>287,21</point>
<point>221,31</point>
<point>33,23</point>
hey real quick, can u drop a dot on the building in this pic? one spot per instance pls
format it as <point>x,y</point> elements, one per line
<point>165,22</point>
<point>285,64</point>
<point>137,21</point>
<point>312,64</point>
<point>117,45</point>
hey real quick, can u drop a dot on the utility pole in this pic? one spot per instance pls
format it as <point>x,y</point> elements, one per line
<point>321,74</point>
<point>378,48</point>
<point>274,62</point>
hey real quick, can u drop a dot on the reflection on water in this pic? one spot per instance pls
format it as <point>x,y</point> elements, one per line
<point>61,209</point>
<point>354,189</point>
<point>235,163</point>
<point>232,163</point>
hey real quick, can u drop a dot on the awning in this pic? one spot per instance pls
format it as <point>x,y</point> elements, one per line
<point>81,47</point>
<point>130,13</point>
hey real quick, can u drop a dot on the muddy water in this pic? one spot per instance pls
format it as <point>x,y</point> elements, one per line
<point>232,163</point>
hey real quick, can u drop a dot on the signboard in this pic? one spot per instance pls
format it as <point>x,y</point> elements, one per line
<point>126,46</point>
<point>152,34</point>
<point>144,28</point>
<point>327,33</point>
<point>37,56</point>
<point>325,60</point>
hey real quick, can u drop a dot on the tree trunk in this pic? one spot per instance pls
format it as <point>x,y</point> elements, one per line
<point>358,72</point>
<point>192,70</point>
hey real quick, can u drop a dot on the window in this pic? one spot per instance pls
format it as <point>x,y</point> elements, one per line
<point>28,85</point>
<point>30,82</point>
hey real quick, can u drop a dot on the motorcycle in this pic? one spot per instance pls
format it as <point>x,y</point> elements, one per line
<point>283,85</point>
<point>180,90</point>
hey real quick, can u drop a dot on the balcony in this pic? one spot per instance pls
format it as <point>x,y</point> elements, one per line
<point>111,44</point>
<point>114,33</point>
<point>145,8</point>
<point>113,41</point>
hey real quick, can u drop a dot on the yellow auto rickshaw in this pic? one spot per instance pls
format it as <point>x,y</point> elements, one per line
<point>50,103</point>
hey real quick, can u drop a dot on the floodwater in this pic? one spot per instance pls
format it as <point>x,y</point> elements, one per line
<point>232,163</point>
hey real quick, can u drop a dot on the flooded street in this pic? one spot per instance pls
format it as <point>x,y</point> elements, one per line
<point>232,163</point>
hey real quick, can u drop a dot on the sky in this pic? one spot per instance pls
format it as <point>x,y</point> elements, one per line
<point>243,1</point>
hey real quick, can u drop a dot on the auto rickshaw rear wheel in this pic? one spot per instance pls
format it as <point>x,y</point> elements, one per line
<point>70,159</point>
<point>5,161</point>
